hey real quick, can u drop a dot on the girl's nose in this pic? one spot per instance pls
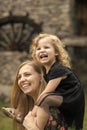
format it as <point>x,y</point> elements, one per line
<point>42,49</point>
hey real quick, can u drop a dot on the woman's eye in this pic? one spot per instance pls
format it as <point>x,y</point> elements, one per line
<point>28,74</point>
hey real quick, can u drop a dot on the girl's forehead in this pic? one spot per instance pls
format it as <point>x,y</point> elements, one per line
<point>45,41</point>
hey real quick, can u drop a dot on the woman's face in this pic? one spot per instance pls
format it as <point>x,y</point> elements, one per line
<point>28,80</point>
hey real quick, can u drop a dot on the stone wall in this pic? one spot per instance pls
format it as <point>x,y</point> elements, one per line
<point>9,62</point>
<point>55,14</point>
<point>56,17</point>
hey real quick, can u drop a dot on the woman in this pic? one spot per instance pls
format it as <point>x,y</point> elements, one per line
<point>28,84</point>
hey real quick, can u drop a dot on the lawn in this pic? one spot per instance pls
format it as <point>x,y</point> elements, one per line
<point>6,123</point>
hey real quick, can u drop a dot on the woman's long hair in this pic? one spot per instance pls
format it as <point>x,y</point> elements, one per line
<point>21,102</point>
<point>62,56</point>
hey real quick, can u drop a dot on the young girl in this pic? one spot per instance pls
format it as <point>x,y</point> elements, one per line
<point>63,88</point>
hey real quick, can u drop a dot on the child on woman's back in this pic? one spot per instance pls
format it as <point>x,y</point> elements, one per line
<point>63,88</point>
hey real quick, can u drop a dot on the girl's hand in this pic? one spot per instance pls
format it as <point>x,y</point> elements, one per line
<point>34,111</point>
<point>30,122</point>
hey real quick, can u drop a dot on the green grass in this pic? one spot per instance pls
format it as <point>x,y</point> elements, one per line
<point>6,123</point>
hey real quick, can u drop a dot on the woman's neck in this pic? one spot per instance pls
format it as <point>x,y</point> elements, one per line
<point>34,96</point>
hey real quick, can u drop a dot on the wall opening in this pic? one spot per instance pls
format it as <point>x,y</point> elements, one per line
<point>80,12</point>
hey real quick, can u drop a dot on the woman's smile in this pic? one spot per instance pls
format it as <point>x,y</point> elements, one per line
<point>25,85</point>
<point>28,79</point>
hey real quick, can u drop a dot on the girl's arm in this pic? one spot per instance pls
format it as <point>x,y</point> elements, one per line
<point>50,87</point>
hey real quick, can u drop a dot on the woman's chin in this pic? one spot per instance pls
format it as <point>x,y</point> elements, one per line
<point>27,92</point>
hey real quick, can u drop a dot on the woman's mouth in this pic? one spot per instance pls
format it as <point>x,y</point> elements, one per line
<point>26,85</point>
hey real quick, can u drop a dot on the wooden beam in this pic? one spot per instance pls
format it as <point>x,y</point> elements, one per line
<point>75,41</point>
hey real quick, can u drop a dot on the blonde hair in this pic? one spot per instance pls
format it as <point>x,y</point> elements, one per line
<point>62,56</point>
<point>21,102</point>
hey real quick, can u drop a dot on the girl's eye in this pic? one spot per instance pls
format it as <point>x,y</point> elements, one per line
<point>46,47</point>
<point>38,48</point>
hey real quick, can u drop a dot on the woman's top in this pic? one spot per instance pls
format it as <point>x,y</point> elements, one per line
<point>73,96</point>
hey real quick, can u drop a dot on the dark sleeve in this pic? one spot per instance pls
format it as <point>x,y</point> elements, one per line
<point>58,71</point>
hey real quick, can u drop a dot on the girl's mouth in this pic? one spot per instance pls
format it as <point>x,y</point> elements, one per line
<point>43,56</point>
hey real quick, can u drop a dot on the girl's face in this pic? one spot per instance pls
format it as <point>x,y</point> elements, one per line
<point>45,52</point>
<point>28,80</point>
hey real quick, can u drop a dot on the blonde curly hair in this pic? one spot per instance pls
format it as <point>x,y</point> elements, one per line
<point>62,56</point>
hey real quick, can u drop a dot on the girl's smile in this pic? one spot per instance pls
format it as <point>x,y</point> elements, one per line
<point>45,52</point>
